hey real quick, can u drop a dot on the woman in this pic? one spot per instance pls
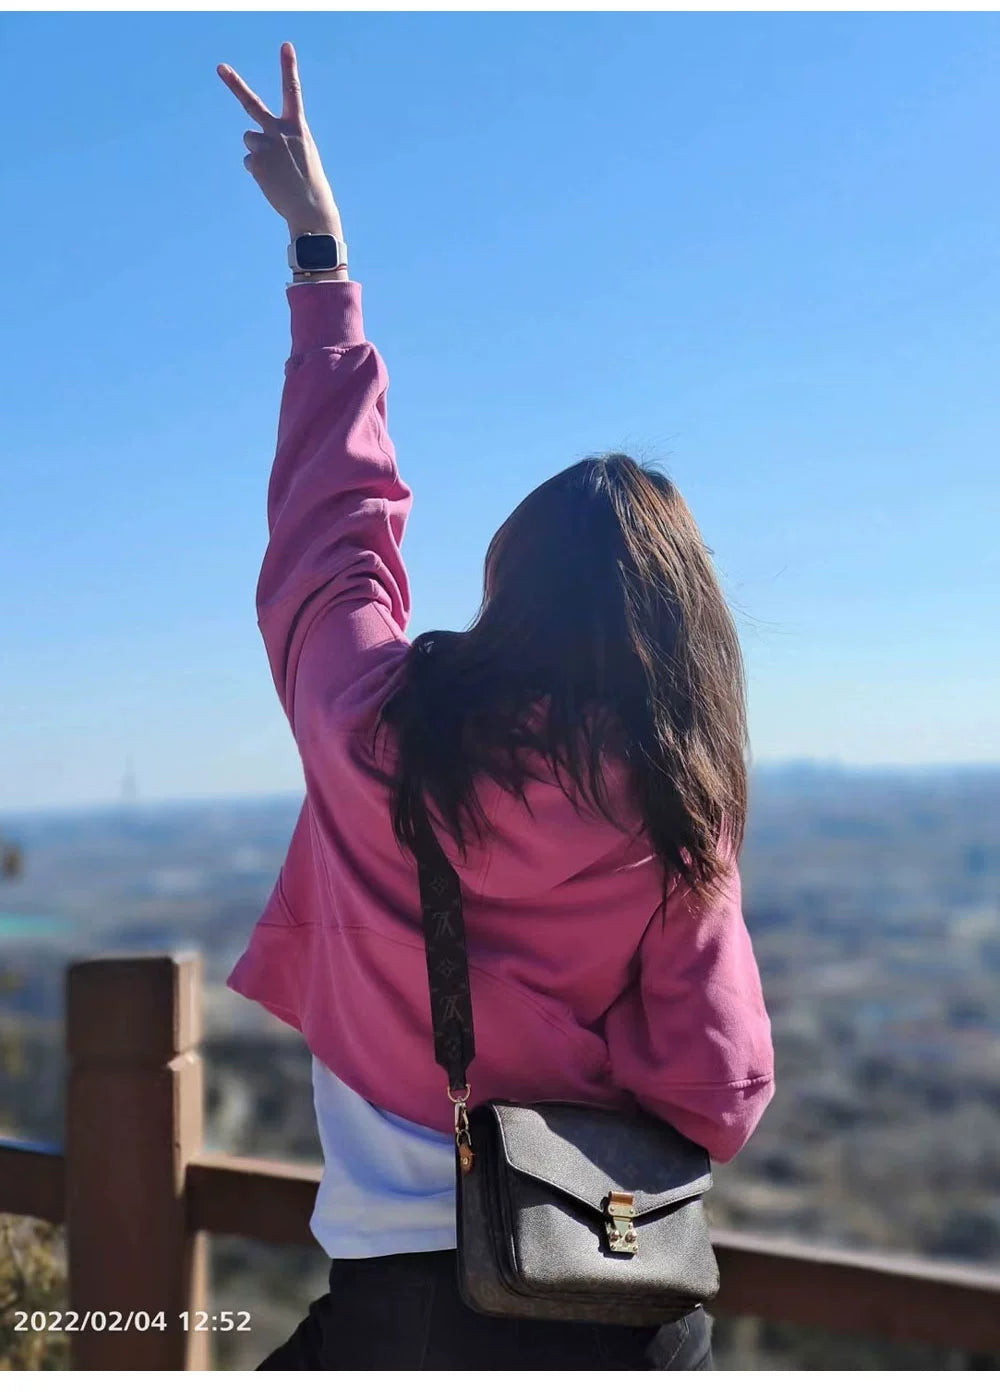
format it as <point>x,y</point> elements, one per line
<point>608,954</point>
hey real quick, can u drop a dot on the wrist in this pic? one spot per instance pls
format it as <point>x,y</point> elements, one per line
<point>342,275</point>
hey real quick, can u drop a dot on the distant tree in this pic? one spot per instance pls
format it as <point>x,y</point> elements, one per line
<point>32,1253</point>
<point>11,1054</point>
<point>32,1278</point>
<point>966,1232</point>
<point>11,860</point>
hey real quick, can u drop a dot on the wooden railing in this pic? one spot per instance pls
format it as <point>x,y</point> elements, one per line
<point>139,1195</point>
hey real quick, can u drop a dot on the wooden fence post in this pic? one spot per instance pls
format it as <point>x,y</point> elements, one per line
<point>133,1121</point>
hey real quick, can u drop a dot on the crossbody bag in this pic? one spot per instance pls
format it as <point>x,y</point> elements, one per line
<point>564,1211</point>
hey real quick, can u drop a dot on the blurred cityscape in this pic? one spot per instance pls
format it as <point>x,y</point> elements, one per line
<point>873,899</point>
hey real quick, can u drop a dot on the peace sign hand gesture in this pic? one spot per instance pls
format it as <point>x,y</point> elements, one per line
<point>284,159</point>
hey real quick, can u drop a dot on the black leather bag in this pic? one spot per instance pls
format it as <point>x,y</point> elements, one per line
<point>564,1211</point>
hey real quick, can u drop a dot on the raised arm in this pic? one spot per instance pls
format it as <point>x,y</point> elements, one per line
<point>333,596</point>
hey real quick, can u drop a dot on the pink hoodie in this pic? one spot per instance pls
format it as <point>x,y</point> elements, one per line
<point>582,989</point>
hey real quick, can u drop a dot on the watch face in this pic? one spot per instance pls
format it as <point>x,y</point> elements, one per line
<point>316,251</point>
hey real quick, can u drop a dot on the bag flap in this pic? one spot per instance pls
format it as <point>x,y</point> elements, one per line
<point>587,1152</point>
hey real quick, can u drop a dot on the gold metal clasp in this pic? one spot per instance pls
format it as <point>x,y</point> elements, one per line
<point>619,1208</point>
<point>463,1139</point>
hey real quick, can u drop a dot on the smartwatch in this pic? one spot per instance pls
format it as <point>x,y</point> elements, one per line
<point>317,251</point>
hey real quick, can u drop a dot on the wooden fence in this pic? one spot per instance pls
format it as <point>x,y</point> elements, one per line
<point>139,1195</point>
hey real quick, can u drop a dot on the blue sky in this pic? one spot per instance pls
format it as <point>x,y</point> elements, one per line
<point>758,249</point>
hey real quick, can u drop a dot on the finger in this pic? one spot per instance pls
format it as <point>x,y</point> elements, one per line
<point>291,86</point>
<point>250,102</point>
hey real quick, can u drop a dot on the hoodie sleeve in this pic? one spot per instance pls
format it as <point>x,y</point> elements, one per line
<point>690,1038</point>
<point>333,590</point>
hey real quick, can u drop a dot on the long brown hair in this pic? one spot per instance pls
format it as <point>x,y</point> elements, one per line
<point>599,595</point>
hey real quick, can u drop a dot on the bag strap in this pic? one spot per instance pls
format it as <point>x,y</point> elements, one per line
<point>447,958</point>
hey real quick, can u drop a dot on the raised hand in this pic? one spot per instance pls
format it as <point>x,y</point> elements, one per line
<point>283,157</point>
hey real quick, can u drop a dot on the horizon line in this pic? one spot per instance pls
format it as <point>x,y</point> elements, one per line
<point>800,764</point>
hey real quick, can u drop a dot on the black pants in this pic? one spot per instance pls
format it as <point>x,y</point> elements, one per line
<point>404,1312</point>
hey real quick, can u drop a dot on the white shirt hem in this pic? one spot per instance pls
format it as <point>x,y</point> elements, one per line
<point>382,1245</point>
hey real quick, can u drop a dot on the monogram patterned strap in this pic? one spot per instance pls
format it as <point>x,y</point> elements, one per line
<point>447,958</point>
